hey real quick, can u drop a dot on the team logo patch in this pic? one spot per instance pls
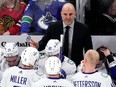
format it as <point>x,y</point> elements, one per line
<point>44,21</point>
<point>70,62</point>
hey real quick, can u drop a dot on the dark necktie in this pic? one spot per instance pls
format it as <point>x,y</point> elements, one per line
<point>66,42</point>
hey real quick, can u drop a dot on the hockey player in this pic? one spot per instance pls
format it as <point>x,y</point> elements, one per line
<point>1,58</point>
<point>107,61</point>
<point>90,77</point>
<point>11,54</point>
<point>1,54</point>
<point>11,57</point>
<point>53,48</point>
<point>24,75</point>
<point>52,67</point>
<point>39,14</point>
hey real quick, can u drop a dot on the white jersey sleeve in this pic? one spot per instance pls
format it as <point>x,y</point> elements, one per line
<point>41,63</point>
<point>3,67</point>
<point>113,63</point>
<point>69,67</point>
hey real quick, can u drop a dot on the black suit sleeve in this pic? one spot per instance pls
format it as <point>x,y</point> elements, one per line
<point>88,40</point>
<point>53,32</point>
<point>45,39</point>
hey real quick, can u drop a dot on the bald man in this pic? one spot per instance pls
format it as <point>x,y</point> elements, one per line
<point>79,35</point>
<point>90,77</point>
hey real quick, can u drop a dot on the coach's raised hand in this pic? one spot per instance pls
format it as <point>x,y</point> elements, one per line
<point>33,43</point>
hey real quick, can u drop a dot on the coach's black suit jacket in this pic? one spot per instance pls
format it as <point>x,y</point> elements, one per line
<point>81,39</point>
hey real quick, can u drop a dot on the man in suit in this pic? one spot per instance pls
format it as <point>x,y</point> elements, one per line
<point>79,36</point>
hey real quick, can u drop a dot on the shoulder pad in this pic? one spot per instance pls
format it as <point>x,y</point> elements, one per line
<point>104,75</point>
<point>39,73</point>
<point>70,62</point>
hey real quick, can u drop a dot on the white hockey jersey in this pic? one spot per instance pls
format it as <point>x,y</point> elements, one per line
<point>19,77</point>
<point>47,82</point>
<point>3,66</point>
<point>94,79</point>
<point>67,65</point>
